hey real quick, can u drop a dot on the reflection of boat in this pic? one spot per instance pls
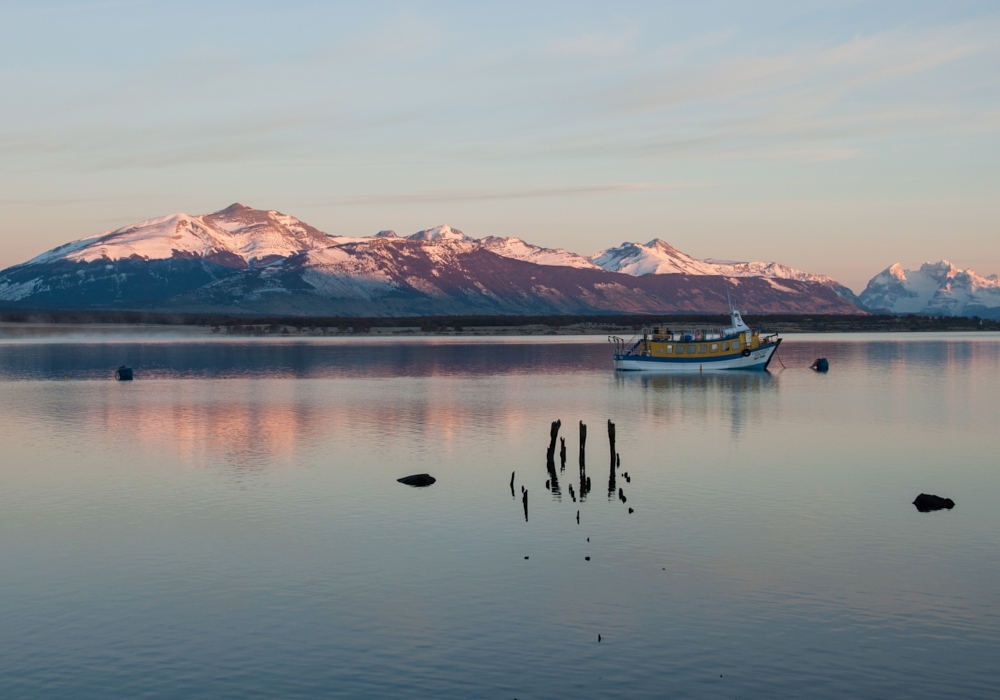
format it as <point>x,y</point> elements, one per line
<point>660,348</point>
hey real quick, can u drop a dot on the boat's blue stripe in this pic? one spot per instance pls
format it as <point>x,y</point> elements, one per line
<point>692,359</point>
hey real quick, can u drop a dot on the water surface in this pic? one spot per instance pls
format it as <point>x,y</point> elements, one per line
<point>229,524</point>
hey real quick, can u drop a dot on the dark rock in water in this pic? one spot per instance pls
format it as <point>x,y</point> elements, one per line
<point>926,502</point>
<point>417,480</point>
<point>820,365</point>
<point>630,511</point>
<point>123,374</point>
<point>587,558</point>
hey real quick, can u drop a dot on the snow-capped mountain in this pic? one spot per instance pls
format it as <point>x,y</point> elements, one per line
<point>246,260</point>
<point>660,258</point>
<point>653,258</point>
<point>235,236</point>
<point>519,250</point>
<point>939,289</point>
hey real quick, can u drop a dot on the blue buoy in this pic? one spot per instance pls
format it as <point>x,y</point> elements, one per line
<point>821,365</point>
<point>123,374</point>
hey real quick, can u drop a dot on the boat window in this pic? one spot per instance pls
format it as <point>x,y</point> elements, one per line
<point>736,345</point>
<point>725,346</point>
<point>756,333</point>
<point>690,349</point>
<point>680,349</point>
<point>702,348</point>
<point>715,347</point>
<point>670,349</point>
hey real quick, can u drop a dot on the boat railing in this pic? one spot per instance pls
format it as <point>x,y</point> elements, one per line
<point>625,348</point>
<point>688,335</point>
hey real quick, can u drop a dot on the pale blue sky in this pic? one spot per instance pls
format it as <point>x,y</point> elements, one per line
<point>835,137</point>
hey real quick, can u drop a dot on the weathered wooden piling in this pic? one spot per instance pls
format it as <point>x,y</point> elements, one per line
<point>524,500</point>
<point>583,444</point>
<point>562,453</point>
<point>611,438</point>
<point>550,455</point>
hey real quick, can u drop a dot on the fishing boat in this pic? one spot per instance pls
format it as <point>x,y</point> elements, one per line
<point>695,350</point>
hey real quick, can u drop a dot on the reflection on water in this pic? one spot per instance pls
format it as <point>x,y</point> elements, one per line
<point>290,359</point>
<point>739,397</point>
<point>229,524</point>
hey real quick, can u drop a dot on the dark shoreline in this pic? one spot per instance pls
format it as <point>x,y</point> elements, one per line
<point>534,325</point>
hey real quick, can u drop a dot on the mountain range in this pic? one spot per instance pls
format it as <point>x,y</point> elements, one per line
<point>935,289</point>
<point>244,260</point>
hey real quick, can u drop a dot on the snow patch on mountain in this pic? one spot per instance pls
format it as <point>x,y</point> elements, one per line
<point>519,250</point>
<point>654,258</point>
<point>441,234</point>
<point>17,291</point>
<point>660,258</point>
<point>935,289</point>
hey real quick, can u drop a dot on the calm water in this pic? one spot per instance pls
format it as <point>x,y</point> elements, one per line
<point>229,524</point>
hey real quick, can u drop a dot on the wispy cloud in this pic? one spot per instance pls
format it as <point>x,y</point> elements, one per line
<point>522,193</point>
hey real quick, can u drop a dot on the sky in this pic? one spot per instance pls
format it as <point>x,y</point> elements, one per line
<point>835,137</point>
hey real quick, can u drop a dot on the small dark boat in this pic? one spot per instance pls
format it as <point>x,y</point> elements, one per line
<point>123,374</point>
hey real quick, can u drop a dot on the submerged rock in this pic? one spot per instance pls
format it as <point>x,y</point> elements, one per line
<point>417,480</point>
<point>821,365</point>
<point>927,502</point>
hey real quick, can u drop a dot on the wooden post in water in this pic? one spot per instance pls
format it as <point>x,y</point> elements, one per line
<point>562,454</point>
<point>611,477</point>
<point>550,455</point>
<point>583,462</point>
<point>611,438</point>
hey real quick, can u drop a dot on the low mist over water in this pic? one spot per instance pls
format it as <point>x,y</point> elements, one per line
<point>229,524</point>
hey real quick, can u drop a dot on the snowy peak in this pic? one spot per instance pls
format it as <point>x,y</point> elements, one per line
<point>440,234</point>
<point>934,288</point>
<point>509,247</point>
<point>235,236</point>
<point>654,258</point>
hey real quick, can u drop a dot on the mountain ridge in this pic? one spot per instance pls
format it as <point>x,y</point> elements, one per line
<point>246,259</point>
<point>934,289</point>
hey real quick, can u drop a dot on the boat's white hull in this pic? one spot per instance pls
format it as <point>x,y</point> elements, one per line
<point>757,359</point>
